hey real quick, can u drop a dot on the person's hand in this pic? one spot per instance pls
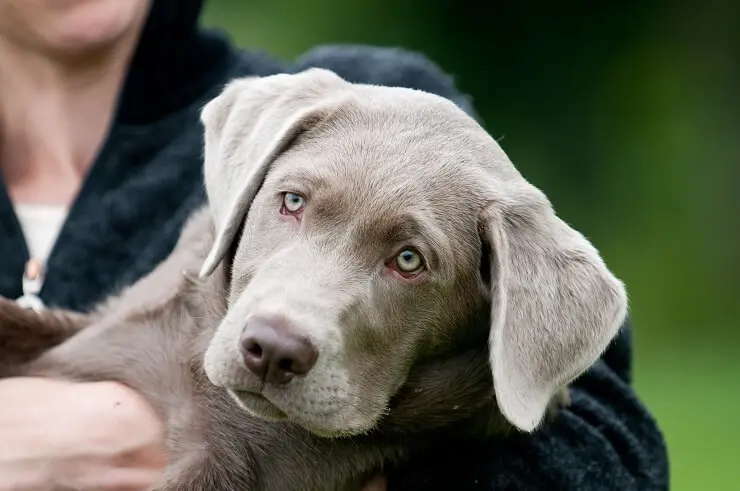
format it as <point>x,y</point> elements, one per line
<point>377,483</point>
<point>91,437</point>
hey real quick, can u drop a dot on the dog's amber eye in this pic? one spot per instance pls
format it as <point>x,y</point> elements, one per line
<point>293,203</point>
<point>409,261</point>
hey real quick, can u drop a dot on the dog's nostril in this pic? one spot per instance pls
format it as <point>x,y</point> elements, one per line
<point>285,364</point>
<point>254,349</point>
<point>275,353</point>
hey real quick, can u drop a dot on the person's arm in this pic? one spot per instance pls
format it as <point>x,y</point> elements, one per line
<point>60,435</point>
<point>606,439</point>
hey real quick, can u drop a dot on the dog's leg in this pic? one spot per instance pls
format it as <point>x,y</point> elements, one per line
<point>155,352</point>
<point>213,444</point>
<point>26,334</point>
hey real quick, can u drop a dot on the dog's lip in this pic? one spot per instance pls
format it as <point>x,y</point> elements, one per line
<point>262,407</point>
<point>259,403</point>
<point>250,395</point>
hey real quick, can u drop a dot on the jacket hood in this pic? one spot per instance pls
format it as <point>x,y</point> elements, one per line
<point>174,62</point>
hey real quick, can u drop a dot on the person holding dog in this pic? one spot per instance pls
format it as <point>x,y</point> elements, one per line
<point>100,159</point>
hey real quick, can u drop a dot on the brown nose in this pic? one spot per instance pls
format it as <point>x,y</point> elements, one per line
<point>274,352</point>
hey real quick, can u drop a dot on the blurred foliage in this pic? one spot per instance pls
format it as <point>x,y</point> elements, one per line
<point>628,116</point>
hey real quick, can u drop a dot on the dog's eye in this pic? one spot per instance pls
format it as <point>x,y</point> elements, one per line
<point>292,203</point>
<point>409,261</point>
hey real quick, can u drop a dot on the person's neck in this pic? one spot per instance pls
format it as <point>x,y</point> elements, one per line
<point>54,116</point>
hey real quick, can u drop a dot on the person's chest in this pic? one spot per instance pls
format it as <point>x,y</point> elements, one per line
<point>128,215</point>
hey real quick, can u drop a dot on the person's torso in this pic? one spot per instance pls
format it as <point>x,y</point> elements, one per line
<point>145,182</point>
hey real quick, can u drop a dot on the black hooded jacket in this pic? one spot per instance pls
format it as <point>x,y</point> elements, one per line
<point>147,178</point>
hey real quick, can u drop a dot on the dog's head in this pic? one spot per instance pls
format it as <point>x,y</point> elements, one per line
<point>363,227</point>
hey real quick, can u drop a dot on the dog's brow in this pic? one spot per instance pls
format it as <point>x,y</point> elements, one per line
<point>299,180</point>
<point>403,227</point>
<point>407,227</point>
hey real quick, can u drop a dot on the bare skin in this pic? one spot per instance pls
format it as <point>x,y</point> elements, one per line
<point>68,64</point>
<point>96,436</point>
<point>56,103</point>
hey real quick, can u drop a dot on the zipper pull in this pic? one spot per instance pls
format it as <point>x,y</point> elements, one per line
<point>33,280</point>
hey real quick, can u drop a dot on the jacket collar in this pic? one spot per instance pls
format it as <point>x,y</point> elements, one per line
<point>174,63</point>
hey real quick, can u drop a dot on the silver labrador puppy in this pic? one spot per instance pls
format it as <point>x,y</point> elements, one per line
<point>370,274</point>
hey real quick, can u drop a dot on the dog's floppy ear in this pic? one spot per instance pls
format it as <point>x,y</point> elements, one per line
<point>247,127</point>
<point>555,305</point>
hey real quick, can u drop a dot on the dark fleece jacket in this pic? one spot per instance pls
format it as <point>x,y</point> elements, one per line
<point>147,179</point>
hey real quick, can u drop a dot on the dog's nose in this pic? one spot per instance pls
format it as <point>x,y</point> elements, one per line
<point>275,353</point>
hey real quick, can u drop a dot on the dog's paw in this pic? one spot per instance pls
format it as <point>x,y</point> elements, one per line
<point>25,334</point>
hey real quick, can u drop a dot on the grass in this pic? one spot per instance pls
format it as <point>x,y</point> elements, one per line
<point>695,396</point>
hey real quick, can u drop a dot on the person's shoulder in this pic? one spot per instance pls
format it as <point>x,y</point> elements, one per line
<point>395,67</point>
<point>379,65</point>
<point>387,66</point>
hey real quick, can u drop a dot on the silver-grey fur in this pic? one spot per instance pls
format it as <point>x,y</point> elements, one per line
<point>381,169</point>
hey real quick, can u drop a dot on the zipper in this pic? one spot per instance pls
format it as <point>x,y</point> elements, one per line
<point>33,281</point>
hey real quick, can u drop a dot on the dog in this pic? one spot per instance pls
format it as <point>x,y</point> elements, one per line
<point>370,273</point>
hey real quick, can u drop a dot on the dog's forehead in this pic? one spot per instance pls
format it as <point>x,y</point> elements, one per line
<point>367,173</point>
<point>390,154</point>
<point>384,181</point>
<point>398,143</point>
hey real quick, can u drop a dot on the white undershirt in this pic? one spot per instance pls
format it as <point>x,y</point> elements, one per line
<point>41,225</point>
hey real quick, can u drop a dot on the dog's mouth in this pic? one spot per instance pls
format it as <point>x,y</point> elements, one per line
<point>261,407</point>
<point>258,404</point>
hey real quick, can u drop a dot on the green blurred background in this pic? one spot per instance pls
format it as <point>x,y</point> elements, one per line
<point>628,116</point>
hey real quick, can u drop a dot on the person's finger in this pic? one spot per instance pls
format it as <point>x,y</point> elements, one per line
<point>15,477</point>
<point>123,480</point>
